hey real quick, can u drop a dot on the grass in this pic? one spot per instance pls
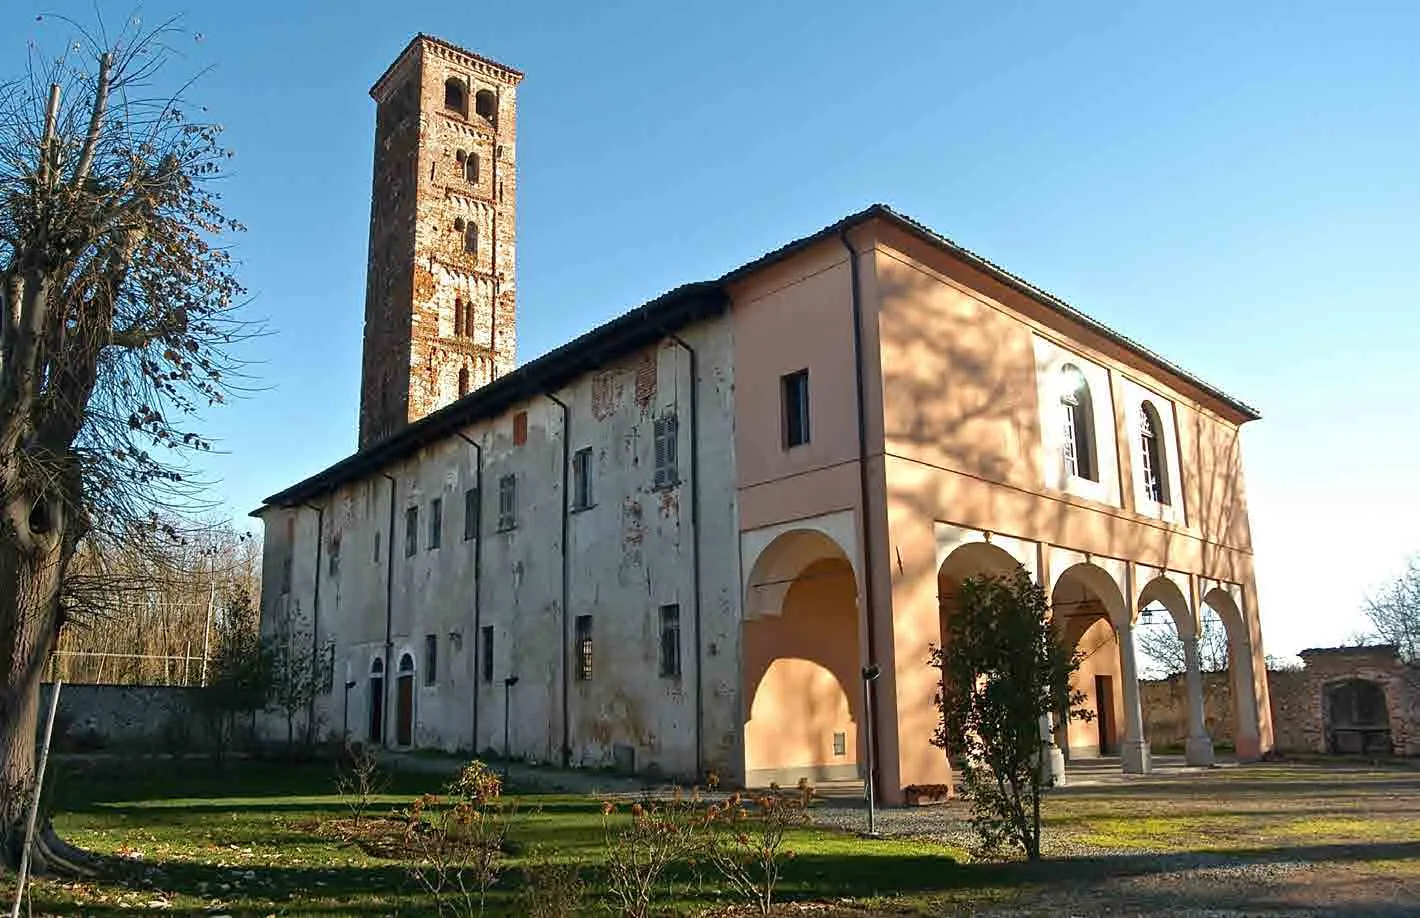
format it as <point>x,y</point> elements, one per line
<point>188,837</point>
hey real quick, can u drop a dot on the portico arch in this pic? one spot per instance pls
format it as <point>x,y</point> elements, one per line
<point>1225,600</point>
<point>1171,592</point>
<point>801,658</point>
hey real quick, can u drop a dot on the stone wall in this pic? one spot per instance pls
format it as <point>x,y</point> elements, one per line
<point>1298,716</point>
<point>92,718</point>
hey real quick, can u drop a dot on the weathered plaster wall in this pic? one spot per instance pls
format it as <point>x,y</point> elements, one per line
<point>631,553</point>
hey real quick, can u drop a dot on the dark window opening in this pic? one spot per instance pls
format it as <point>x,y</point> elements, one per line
<point>584,647</point>
<point>431,659</point>
<point>459,224</point>
<point>582,479</point>
<point>377,548</point>
<point>455,96</point>
<point>334,563</point>
<point>470,239</point>
<point>485,647</point>
<point>507,503</point>
<point>670,641</point>
<point>411,531</point>
<point>795,388</point>
<point>463,382</point>
<point>286,575</point>
<point>436,522</point>
<point>486,105</point>
<point>470,514</point>
<point>665,429</point>
<point>470,168</point>
<point>458,317</point>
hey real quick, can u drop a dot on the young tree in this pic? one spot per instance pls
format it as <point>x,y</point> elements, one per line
<point>1162,649</point>
<point>1003,668</point>
<point>1395,613</point>
<point>239,674</point>
<point>117,312</point>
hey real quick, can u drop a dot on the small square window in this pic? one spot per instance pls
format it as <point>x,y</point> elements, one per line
<point>470,514</point>
<point>411,531</point>
<point>520,428</point>
<point>584,647</point>
<point>436,522</point>
<point>431,659</point>
<point>670,641</point>
<point>507,503</point>
<point>795,387</point>
<point>582,479</point>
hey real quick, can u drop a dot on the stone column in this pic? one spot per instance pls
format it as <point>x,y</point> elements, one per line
<point>1054,758</point>
<point>1198,748</point>
<point>1135,751</point>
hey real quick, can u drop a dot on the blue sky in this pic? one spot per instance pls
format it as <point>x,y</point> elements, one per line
<point>1236,188</point>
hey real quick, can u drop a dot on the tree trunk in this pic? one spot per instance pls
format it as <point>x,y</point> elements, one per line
<point>30,583</point>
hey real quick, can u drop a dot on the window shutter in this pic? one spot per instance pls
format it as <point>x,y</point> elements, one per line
<point>665,436</point>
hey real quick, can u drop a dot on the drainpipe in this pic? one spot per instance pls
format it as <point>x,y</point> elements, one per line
<point>315,621</point>
<point>389,620</point>
<point>477,578</point>
<point>865,532</point>
<point>566,578</point>
<point>695,548</point>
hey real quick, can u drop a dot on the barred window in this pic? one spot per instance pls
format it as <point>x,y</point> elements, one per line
<point>665,437</point>
<point>670,641</point>
<point>584,647</point>
<point>436,522</point>
<point>582,479</point>
<point>507,503</point>
<point>411,531</point>
<point>470,514</point>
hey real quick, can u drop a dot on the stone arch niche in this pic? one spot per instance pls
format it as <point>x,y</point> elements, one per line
<point>1226,602</point>
<point>1356,717</point>
<point>801,657</point>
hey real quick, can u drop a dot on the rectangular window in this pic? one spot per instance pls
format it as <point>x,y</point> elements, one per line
<point>286,575</point>
<point>670,641</point>
<point>436,522</point>
<point>584,647</point>
<point>431,659</point>
<point>507,503</point>
<point>520,428</point>
<point>470,514</point>
<point>334,568</point>
<point>795,387</point>
<point>665,437</point>
<point>411,531</point>
<point>485,647</point>
<point>377,548</point>
<point>840,744</point>
<point>582,479</point>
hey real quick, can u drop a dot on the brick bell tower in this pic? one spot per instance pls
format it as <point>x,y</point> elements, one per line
<point>439,295</point>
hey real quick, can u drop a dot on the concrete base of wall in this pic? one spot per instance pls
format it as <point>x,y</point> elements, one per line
<point>1135,757</point>
<point>788,777</point>
<point>1198,750</point>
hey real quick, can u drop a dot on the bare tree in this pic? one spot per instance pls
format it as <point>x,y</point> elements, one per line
<point>1394,613</point>
<point>117,316</point>
<point>1161,648</point>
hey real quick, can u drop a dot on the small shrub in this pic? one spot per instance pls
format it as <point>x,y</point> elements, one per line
<point>661,833</point>
<point>552,889</point>
<point>359,780</point>
<point>746,842</point>
<point>457,843</point>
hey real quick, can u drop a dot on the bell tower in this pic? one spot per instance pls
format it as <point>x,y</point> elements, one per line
<point>439,295</point>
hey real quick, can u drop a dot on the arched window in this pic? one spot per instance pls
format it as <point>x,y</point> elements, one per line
<point>468,319</point>
<point>377,667</point>
<point>455,96</point>
<point>458,317</point>
<point>1077,420</point>
<point>463,382</point>
<point>1152,454</point>
<point>486,104</point>
<point>470,239</point>
<point>470,168</point>
<point>406,664</point>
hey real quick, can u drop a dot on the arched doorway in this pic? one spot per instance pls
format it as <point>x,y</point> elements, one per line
<point>376,705</point>
<point>1356,718</point>
<point>801,663</point>
<point>972,559</point>
<point>404,702</point>
<point>1089,608</point>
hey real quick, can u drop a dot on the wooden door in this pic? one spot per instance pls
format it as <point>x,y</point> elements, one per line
<point>377,710</point>
<point>1104,712</point>
<point>404,712</point>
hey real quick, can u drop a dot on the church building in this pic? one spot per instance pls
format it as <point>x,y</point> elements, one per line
<point>674,544</point>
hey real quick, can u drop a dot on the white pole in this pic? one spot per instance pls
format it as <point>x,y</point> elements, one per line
<point>207,632</point>
<point>34,801</point>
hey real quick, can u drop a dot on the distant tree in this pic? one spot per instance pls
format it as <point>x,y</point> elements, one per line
<point>1162,649</point>
<point>1394,613</point>
<point>1003,667</point>
<point>117,313</point>
<point>298,675</point>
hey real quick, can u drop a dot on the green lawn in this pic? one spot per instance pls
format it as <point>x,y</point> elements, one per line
<point>244,839</point>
